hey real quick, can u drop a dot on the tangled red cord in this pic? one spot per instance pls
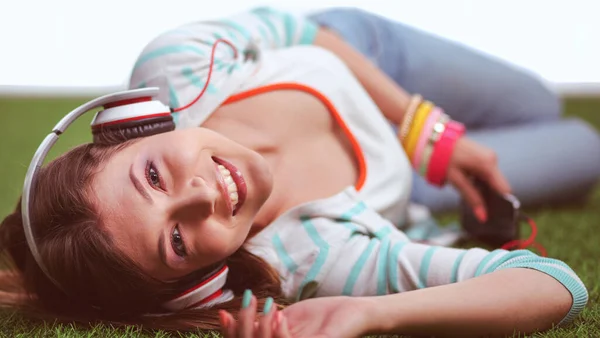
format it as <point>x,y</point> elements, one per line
<point>526,243</point>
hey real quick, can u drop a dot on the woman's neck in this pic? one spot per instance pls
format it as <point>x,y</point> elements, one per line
<point>309,155</point>
<point>263,143</point>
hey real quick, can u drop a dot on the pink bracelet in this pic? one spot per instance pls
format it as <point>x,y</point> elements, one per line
<point>425,134</point>
<point>442,153</point>
<point>436,133</point>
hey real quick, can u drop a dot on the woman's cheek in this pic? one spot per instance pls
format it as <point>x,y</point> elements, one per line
<point>219,242</point>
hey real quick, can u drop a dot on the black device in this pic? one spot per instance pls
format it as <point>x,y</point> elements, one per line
<point>503,217</point>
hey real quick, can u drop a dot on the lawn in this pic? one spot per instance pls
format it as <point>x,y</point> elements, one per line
<point>569,233</point>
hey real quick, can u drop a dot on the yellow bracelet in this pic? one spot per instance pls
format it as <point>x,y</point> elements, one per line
<point>413,135</point>
<point>417,125</point>
<point>409,114</point>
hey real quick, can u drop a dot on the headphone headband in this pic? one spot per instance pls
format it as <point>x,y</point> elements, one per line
<point>42,152</point>
<point>134,111</point>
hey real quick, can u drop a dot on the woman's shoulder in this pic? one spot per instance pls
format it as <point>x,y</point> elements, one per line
<point>306,243</point>
<point>321,224</point>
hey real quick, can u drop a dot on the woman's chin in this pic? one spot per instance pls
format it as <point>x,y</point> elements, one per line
<point>262,180</point>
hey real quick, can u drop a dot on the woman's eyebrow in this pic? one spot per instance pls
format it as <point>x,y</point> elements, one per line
<point>138,186</point>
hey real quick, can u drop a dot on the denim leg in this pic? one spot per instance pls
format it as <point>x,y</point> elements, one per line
<point>475,89</point>
<point>503,107</point>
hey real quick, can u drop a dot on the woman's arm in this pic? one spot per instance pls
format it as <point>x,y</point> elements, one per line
<point>497,304</point>
<point>391,99</point>
<point>468,159</point>
<point>446,290</point>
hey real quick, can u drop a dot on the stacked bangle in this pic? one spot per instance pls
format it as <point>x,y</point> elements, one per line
<point>428,136</point>
<point>442,152</point>
<point>408,115</point>
<point>423,112</point>
<point>432,119</point>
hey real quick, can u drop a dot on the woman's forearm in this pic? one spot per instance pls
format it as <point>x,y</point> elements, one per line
<point>500,303</point>
<point>391,99</point>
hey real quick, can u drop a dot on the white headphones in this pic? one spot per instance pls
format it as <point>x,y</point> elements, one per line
<point>126,115</point>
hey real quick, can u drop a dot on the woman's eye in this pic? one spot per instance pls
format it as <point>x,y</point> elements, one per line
<point>177,243</point>
<point>152,175</point>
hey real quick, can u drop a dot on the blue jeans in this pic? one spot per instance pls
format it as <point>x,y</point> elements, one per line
<point>547,159</point>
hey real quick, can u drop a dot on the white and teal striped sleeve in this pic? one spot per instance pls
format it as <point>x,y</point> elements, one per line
<point>271,28</point>
<point>178,60</point>
<point>375,265</point>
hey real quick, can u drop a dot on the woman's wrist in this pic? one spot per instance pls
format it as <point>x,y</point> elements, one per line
<point>428,136</point>
<point>377,317</point>
<point>372,322</point>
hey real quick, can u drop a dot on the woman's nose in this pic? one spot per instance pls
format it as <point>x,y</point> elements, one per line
<point>196,200</point>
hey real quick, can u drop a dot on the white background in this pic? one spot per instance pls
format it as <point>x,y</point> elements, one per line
<point>79,46</point>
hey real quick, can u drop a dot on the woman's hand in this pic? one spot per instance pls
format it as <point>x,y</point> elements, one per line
<point>270,324</point>
<point>470,159</point>
<point>328,317</point>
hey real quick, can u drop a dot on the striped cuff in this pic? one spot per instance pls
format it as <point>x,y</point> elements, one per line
<point>559,271</point>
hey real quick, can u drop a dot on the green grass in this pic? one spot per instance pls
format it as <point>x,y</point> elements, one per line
<point>569,233</point>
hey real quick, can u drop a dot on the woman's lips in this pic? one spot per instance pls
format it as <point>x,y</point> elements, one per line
<point>223,188</point>
<point>239,181</point>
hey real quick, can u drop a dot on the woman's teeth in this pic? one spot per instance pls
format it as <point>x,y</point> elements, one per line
<point>231,187</point>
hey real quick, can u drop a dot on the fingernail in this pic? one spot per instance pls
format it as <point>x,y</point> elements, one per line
<point>268,305</point>
<point>480,214</point>
<point>223,318</point>
<point>277,323</point>
<point>246,299</point>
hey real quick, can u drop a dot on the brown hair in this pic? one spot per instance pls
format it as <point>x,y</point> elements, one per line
<point>101,283</point>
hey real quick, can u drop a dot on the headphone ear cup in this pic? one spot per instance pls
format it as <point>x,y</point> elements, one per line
<point>125,131</point>
<point>202,288</point>
<point>131,116</point>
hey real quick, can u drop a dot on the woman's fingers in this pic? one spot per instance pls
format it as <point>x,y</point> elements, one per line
<point>228,325</point>
<point>497,181</point>
<point>269,325</point>
<point>472,159</point>
<point>265,325</point>
<point>247,316</point>
<point>272,323</point>
<point>482,162</point>
<point>281,326</point>
<point>486,169</point>
<point>469,193</point>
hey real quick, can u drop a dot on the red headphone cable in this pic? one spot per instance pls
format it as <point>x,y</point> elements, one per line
<point>529,242</point>
<point>210,69</point>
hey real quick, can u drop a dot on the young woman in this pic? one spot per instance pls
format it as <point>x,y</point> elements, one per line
<point>284,178</point>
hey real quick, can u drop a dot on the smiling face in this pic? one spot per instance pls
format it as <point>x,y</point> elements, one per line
<point>180,201</point>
